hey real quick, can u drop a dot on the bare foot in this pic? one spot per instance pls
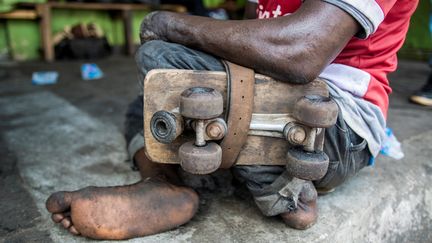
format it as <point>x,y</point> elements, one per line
<point>306,213</point>
<point>147,207</point>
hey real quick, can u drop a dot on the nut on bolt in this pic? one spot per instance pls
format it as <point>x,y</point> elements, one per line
<point>216,130</point>
<point>295,134</point>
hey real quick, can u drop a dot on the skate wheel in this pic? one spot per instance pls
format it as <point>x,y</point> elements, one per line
<point>306,165</point>
<point>165,126</point>
<point>200,160</point>
<point>316,111</point>
<point>201,103</point>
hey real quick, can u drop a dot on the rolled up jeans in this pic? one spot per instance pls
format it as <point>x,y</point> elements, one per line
<point>348,152</point>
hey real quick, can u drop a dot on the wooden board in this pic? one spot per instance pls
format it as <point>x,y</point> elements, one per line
<point>19,15</point>
<point>43,11</point>
<point>107,6</point>
<point>162,89</point>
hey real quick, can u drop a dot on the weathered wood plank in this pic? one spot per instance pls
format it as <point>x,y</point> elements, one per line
<point>162,89</point>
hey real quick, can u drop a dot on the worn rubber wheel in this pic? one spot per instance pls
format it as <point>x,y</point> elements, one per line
<point>201,103</point>
<point>306,165</point>
<point>166,126</point>
<point>316,111</point>
<point>200,160</point>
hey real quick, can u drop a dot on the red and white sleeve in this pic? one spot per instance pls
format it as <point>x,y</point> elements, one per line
<point>368,13</point>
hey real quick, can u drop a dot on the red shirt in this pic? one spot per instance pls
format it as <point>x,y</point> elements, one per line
<point>362,66</point>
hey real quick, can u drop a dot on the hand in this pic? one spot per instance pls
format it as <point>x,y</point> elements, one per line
<point>152,27</point>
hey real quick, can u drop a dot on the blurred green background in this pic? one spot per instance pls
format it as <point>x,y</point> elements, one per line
<point>24,39</point>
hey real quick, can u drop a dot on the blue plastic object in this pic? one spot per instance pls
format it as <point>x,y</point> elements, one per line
<point>391,146</point>
<point>90,71</point>
<point>44,78</point>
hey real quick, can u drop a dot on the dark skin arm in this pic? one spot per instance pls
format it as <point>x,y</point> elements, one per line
<point>294,48</point>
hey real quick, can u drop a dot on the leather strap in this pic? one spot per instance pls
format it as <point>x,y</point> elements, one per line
<point>240,98</point>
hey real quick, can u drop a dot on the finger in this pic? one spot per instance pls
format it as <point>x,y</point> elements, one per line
<point>147,35</point>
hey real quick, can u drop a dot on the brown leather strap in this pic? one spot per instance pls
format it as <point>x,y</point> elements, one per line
<point>241,83</point>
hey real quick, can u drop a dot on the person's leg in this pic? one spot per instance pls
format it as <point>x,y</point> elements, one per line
<point>294,200</point>
<point>101,212</point>
<point>348,154</point>
<point>156,203</point>
<point>149,206</point>
<point>424,95</point>
<point>276,193</point>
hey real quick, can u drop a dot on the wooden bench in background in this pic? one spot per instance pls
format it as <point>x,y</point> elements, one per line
<point>42,12</point>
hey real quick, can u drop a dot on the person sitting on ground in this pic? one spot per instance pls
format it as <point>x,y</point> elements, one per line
<point>423,96</point>
<point>351,44</point>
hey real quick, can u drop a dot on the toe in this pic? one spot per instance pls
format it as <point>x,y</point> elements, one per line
<point>66,222</point>
<point>57,217</point>
<point>73,230</point>
<point>59,202</point>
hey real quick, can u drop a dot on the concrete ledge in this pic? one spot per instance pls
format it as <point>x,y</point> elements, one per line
<point>59,147</point>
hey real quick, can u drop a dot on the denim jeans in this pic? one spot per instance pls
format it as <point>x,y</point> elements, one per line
<point>348,153</point>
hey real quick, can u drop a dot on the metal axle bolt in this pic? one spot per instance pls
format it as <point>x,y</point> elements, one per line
<point>295,134</point>
<point>199,129</point>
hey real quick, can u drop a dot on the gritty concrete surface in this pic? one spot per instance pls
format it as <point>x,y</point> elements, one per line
<point>69,135</point>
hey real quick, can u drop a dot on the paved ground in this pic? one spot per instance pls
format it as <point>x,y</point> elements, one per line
<point>68,135</point>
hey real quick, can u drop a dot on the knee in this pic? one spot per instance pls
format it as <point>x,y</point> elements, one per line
<point>155,54</point>
<point>146,54</point>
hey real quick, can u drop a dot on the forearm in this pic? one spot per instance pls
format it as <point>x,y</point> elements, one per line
<point>235,41</point>
<point>293,48</point>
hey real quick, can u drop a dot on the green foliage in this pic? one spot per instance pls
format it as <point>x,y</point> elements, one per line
<point>25,40</point>
<point>418,44</point>
<point>7,5</point>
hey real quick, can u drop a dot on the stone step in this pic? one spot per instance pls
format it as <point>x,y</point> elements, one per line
<point>59,147</point>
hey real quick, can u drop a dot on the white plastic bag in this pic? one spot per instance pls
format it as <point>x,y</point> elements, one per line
<point>391,146</point>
